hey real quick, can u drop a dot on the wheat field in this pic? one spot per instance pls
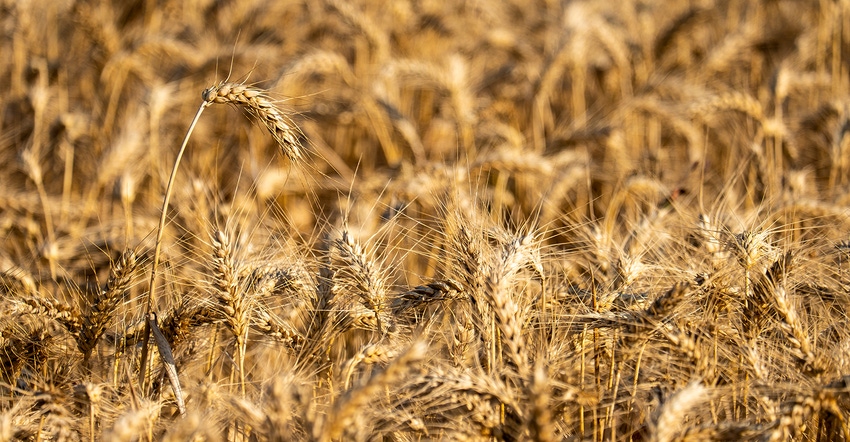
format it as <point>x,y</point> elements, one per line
<point>424,220</point>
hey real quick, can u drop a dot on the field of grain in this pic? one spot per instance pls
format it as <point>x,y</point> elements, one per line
<point>424,220</point>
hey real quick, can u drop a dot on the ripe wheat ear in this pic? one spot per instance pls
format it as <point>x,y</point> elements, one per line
<point>258,104</point>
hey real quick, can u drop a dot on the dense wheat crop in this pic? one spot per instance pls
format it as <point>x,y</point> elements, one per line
<point>424,220</point>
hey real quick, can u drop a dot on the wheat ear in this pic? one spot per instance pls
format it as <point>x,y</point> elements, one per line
<point>363,276</point>
<point>105,303</point>
<point>258,104</point>
<point>673,411</point>
<point>236,307</point>
<point>508,313</point>
<point>344,411</point>
<point>539,421</point>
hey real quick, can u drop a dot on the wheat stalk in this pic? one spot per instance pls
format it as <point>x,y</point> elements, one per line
<point>92,395</point>
<point>258,105</point>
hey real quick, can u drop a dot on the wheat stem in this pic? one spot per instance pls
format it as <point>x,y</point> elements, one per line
<point>158,246</point>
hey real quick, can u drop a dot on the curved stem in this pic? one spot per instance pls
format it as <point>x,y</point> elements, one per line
<point>158,247</point>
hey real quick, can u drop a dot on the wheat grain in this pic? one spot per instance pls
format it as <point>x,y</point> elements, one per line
<point>65,314</point>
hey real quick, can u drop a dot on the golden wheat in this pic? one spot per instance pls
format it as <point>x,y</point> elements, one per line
<point>502,221</point>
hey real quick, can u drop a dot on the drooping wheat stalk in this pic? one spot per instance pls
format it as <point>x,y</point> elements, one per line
<point>264,283</point>
<point>263,109</point>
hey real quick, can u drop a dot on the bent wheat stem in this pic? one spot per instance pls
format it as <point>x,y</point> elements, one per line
<point>265,111</point>
<point>149,314</point>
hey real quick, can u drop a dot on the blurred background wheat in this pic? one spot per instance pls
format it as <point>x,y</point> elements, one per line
<point>547,220</point>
